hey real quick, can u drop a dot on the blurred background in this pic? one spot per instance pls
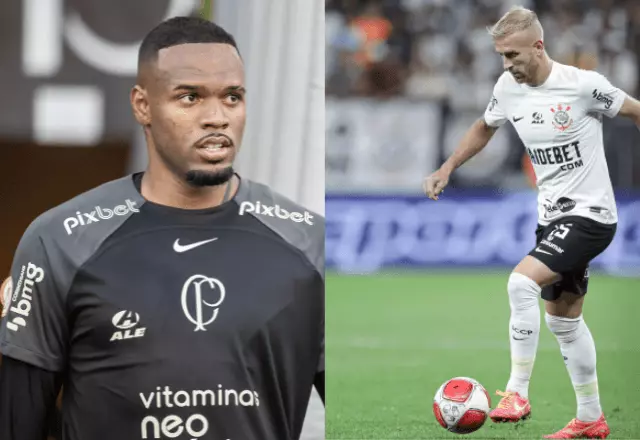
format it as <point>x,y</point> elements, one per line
<point>417,288</point>
<point>66,124</point>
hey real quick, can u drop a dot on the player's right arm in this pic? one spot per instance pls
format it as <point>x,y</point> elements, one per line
<point>40,379</point>
<point>27,400</point>
<point>33,337</point>
<point>475,139</point>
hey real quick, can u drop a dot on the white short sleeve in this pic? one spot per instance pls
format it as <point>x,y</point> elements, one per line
<point>601,96</point>
<point>494,116</point>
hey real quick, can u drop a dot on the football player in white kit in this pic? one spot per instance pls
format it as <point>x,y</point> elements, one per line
<point>557,111</point>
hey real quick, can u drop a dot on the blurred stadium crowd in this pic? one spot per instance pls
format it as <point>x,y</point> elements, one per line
<point>439,49</point>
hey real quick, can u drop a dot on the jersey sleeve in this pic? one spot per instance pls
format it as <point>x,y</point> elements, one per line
<point>494,114</point>
<point>601,95</point>
<point>34,327</point>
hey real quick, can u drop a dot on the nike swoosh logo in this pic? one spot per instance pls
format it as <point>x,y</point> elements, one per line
<point>517,119</point>
<point>184,248</point>
<point>518,339</point>
<point>543,252</point>
<point>518,407</point>
<point>576,432</point>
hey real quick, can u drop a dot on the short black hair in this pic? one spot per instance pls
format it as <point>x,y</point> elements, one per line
<point>182,30</point>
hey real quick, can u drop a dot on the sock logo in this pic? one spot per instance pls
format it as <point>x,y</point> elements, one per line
<point>523,332</point>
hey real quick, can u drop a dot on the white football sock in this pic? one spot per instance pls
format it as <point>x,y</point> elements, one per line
<point>579,352</point>
<point>524,330</point>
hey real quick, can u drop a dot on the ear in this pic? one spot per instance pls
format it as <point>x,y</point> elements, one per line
<point>140,105</point>
<point>539,45</point>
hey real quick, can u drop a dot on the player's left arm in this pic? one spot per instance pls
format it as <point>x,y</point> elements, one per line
<point>631,109</point>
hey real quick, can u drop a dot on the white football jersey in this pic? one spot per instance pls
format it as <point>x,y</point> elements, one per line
<point>560,125</point>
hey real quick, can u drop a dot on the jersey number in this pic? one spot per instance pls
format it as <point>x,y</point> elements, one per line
<point>560,232</point>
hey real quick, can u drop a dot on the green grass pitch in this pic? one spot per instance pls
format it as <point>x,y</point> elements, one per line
<point>392,340</point>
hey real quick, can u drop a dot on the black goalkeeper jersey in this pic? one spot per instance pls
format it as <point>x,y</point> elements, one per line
<point>173,324</point>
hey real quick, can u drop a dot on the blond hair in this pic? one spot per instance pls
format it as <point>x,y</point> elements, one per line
<point>517,19</point>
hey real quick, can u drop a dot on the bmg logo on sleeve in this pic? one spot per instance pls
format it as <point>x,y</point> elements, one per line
<point>23,296</point>
<point>276,211</point>
<point>607,100</point>
<point>83,219</point>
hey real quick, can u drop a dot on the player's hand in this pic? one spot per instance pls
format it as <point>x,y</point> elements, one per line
<point>2,293</point>
<point>435,183</point>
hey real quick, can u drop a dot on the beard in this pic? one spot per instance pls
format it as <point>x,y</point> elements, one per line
<point>197,178</point>
<point>201,178</point>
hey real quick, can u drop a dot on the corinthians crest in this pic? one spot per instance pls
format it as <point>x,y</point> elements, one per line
<point>561,117</point>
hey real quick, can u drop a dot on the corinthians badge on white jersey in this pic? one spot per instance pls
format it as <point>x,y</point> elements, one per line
<point>201,299</point>
<point>561,117</point>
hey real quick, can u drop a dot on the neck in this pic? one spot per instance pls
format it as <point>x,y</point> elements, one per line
<point>543,72</point>
<point>165,188</point>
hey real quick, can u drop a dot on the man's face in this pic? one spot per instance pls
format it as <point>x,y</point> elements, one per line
<point>519,55</point>
<point>196,104</point>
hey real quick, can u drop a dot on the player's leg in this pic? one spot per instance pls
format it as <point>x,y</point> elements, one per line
<point>563,314</point>
<point>524,288</point>
<point>564,318</point>
<point>533,274</point>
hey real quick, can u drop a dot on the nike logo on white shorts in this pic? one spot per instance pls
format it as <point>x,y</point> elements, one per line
<point>184,248</point>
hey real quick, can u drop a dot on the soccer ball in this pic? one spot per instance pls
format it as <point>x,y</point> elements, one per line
<point>461,405</point>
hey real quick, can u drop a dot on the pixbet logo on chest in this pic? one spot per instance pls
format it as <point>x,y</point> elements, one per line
<point>83,219</point>
<point>276,211</point>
